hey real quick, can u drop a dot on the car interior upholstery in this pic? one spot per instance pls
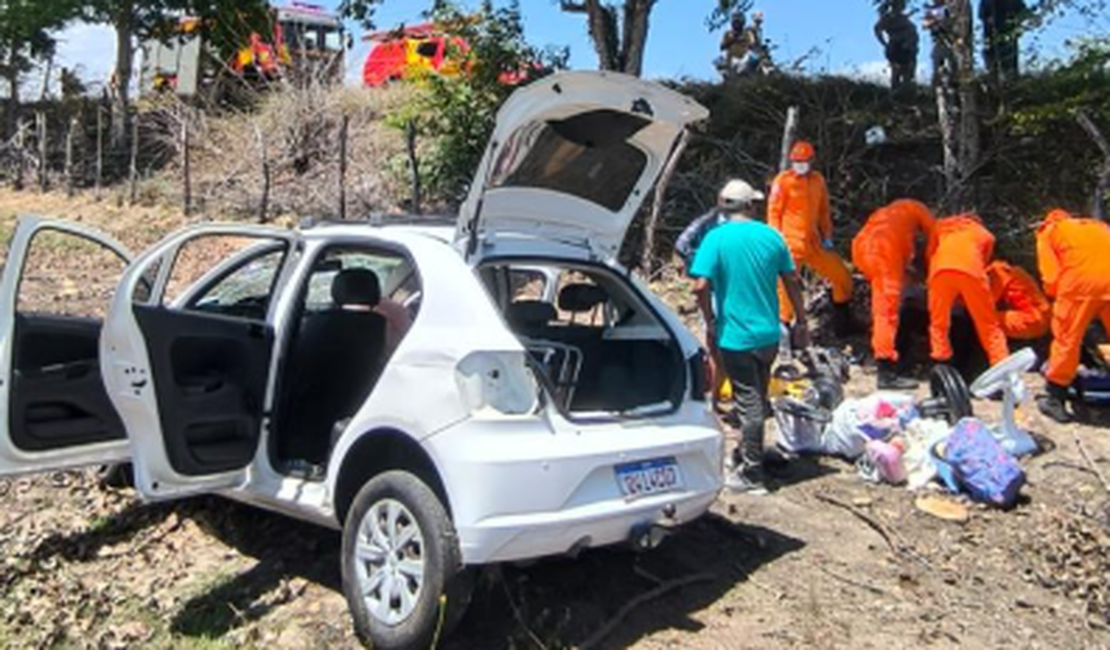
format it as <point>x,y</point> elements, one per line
<point>603,350</point>
<point>211,374</point>
<point>57,396</point>
<point>338,354</point>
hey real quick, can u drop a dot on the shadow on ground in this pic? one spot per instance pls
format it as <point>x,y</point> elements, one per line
<point>554,602</point>
<point>284,549</point>
<point>564,602</point>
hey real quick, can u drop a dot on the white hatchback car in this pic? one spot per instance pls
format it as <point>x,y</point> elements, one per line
<point>448,398</point>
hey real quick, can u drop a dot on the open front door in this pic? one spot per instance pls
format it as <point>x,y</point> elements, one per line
<point>57,284</point>
<point>190,344</point>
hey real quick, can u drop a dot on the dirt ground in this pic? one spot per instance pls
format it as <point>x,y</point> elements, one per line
<point>825,561</point>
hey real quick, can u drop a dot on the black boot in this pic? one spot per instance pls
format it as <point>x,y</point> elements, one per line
<point>889,379</point>
<point>842,320</point>
<point>1054,403</point>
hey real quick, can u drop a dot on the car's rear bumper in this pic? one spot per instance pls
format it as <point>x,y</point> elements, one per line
<point>522,537</point>
<point>519,490</point>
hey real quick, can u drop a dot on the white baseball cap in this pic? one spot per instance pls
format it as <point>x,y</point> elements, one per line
<point>738,191</point>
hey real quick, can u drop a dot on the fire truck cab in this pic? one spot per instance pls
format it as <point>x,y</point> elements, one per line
<point>300,39</point>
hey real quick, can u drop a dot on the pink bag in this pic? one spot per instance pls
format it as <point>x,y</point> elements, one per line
<point>886,458</point>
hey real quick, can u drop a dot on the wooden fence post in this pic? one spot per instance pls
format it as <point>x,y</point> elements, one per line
<point>21,160</point>
<point>74,124</point>
<point>43,171</point>
<point>414,166</point>
<point>99,181</point>
<point>133,193</point>
<point>187,171</point>
<point>789,132</point>
<point>264,203</point>
<point>344,130</point>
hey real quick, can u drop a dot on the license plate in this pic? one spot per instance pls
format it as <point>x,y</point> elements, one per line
<point>649,477</point>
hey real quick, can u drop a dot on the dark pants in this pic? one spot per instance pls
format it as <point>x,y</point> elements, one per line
<point>750,374</point>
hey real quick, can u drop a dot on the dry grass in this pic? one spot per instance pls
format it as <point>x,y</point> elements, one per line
<point>297,130</point>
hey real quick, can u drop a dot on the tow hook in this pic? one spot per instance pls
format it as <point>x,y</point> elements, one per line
<point>649,535</point>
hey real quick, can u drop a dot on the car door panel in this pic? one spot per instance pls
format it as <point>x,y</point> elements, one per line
<point>57,411</point>
<point>210,373</point>
<point>58,399</point>
<point>191,386</point>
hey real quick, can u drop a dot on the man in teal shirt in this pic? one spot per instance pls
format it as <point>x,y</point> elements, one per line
<point>740,263</point>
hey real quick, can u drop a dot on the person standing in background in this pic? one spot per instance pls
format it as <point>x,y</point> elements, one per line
<point>799,209</point>
<point>686,247</point>
<point>739,266</point>
<point>901,43</point>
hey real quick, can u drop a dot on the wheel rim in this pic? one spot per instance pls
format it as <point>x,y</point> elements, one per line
<point>390,561</point>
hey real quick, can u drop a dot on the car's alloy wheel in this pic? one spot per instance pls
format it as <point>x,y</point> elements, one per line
<point>402,567</point>
<point>389,561</point>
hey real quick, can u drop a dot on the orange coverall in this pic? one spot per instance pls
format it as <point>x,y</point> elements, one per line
<point>799,209</point>
<point>882,251</point>
<point>1074,260</point>
<point>959,250</point>
<point>1023,309</point>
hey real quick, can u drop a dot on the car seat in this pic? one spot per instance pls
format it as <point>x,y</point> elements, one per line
<point>340,355</point>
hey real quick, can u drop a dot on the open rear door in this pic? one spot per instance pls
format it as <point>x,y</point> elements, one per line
<point>58,282</point>
<point>189,344</point>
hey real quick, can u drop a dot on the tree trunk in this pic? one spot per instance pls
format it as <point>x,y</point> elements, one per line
<point>969,93</point>
<point>1102,189</point>
<point>603,33</point>
<point>11,111</point>
<point>637,19</point>
<point>121,78</point>
<point>620,44</point>
<point>957,100</point>
<point>648,264</point>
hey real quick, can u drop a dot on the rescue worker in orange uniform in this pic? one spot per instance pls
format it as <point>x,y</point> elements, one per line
<point>799,209</point>
<point>1022,307</point>
<point>1074,259</point>
<point>960,249</point>
<point>883,251</point>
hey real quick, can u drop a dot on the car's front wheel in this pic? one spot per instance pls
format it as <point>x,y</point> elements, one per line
<point>402,569</point>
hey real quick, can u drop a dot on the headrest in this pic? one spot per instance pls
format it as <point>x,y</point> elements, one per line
<point>356,287</point>
<point>527,313</point>
<point>581,298</point>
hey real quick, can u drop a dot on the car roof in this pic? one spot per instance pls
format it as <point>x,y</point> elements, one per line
<point>434,227</point>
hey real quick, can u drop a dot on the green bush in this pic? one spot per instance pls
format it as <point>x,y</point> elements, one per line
<point>454,114</point>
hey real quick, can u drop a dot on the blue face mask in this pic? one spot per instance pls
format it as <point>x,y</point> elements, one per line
<point>801,168</point>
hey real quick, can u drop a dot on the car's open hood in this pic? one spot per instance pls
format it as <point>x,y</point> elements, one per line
<point>572,158</point>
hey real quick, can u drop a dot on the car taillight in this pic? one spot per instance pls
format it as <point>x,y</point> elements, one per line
<point>699,376</point>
